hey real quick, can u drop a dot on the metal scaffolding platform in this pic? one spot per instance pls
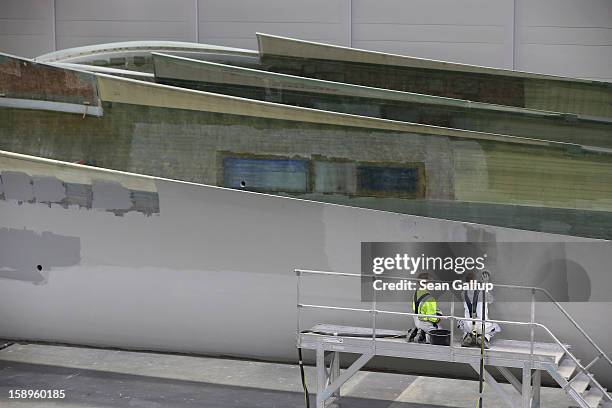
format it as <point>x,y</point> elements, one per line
<point>532,357</point>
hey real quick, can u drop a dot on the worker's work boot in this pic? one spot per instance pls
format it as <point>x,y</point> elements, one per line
<point>422,336</point>
<point>486,342</point>
<point>468,341</point>
<point>412,334</point>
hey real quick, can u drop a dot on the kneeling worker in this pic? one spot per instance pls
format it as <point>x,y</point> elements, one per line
<point>472,302</point>
<point>424,304</point>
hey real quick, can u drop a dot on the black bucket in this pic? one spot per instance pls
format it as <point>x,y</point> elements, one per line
<point>439,337</point>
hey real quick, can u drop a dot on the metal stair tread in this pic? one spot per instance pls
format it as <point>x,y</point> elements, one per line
<point>593,397</point>
<point>566,367</point>
<point>581,383</point>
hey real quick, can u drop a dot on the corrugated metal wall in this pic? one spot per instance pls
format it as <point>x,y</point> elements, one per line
<point>470,31</point>
<point>566,37</point>
<point>26,27</point>
<point>234,22</point>
<point>81,22</point>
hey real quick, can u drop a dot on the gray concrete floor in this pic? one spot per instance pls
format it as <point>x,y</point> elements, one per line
<point>95,378</point>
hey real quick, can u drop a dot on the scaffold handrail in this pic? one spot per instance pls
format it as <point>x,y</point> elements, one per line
<point>374,311</point>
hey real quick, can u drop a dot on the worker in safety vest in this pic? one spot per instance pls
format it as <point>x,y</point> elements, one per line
<point>472,303</point>
<point>423,304</point>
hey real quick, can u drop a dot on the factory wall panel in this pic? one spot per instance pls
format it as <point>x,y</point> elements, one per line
<point>85,22</point>
<point>234,22</point>
<point>26,27</point>
<point>472,31</point>
<point>565,37</point>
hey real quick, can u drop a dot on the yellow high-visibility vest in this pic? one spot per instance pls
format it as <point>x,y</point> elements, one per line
<point>427,306</point>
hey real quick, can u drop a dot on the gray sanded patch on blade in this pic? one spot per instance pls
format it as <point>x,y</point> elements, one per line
<point>78,194</point>
<point>145,202</point>
<point>22,251</point>
<point>110,195</point>
<point>17,186</point>
<point>48,189</point>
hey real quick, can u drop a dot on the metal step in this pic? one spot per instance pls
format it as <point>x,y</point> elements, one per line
<point>593,397</point>
<point>566,368</point>
<point>581,383</point>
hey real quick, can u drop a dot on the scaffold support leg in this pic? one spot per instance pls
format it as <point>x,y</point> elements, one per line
<point>490,380</point>
<point>511,379</point>
<point>325,391</point>
<point>321,375</point>
<point>526,393</point>
<point>537,380</point>
<point>335,371</point>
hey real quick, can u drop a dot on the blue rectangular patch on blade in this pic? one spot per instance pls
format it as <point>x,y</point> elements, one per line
<point>290,175</point>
